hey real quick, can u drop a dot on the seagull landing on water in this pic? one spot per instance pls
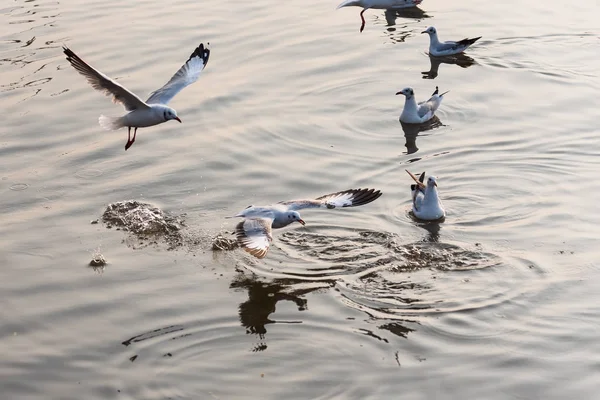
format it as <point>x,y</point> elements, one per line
<point>439,49</point>
<point>379,4</point>
<point>414,113</point>
<point>254,233</point>
<point>141,114</point>
<point>426,202</point>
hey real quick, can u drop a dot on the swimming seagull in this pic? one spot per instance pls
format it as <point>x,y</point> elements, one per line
<point>437,48</point>
<point>141,114</point>
<point>426,202</point>
<point>414,113</point>
<point>254,233</point>
<point>378,4</point>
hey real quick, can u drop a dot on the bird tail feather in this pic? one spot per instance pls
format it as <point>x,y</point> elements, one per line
<point>111,123</point>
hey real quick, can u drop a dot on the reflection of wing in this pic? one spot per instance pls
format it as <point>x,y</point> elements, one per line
<point>346,198</point>
<point>187,74</point>
<point>103,83</point>
<point>254,235</point>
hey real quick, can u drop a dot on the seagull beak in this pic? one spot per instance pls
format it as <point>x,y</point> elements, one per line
<point>302,222</point>
<point>399,93</point>
<point>424,32</point>
<point>177,118</point>
<point>435,184</point>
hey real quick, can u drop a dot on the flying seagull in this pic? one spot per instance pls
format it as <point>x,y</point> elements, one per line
<point>439,49</point>
<point>414,113</point>
<point>254,233</point>
<point>141,114</point>
<point>379,4</point>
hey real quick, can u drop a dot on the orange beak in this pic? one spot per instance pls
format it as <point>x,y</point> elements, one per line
<point>177,118</point>
<point>302,222</point>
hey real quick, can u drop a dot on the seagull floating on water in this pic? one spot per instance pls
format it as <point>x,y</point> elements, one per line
<point>141,114</point>
<point>378,4</point>
<point>437,48</point>
<point>414,113</point>
<point>254,233</point>
<point>426,202</point>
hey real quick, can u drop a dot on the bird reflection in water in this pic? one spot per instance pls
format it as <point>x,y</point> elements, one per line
<point>462,60</point>
<point>399,34</point>
<point>262,298</point>
<point>411,131</point>
<point>433,231</point>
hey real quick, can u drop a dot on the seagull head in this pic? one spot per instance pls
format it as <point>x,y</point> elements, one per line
<point>431,182</point>
<point>408,92</point>
<point>170,114</point>
<point>294,216</point>
<point>430,31</point>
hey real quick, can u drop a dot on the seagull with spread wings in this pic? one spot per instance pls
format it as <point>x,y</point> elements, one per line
<point>141,114</point>
<point>254,233</point>
<point>378,4</point>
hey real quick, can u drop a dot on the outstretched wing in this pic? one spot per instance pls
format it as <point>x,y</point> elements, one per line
<point>103,83</point>
<point>346,198</point>
<point>187,74</point>
<point>254,235</point>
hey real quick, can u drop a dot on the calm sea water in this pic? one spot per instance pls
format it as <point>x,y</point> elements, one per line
<point>499,301</point>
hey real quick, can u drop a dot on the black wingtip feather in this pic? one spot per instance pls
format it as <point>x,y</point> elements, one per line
<point>359,196</point>
<point>202,52</point>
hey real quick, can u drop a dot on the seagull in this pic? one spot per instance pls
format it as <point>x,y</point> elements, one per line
<point>426,202</point>
<point>438,49</point>
<point>254,233</point>
<point>141,114</point>
<point>378,4</point>
<point>414,113</point>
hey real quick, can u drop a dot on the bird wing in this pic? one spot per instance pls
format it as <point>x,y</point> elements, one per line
<point>254,235</point>
<point>187,74</point>
<point>346,198</point>
<point>101,82</point>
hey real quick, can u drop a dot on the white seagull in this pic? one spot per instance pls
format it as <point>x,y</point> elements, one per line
<point>378,4</point>
<point>426,202</point>
<point>141,114</point>
<point>414,113</point>
<point>254,233</point>
<point>440,49</point>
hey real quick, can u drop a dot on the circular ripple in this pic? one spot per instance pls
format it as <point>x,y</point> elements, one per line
<point>19,186</point>
<point>268,342</point>
<point>88,173</point>
<point>375,272</point>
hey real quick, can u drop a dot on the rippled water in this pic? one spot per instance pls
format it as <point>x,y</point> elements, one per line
<point>499,301</point>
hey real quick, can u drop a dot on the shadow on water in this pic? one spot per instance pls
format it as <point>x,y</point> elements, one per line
<point>411,131</point>
<point>263,296</point>
<point>399,33</point>
<point>462,60</point>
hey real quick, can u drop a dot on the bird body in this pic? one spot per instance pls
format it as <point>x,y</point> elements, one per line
<point>141,114</point>
<point>426,203</point>
<point>440,49</point>
<point>378,4</point>
<point>254,233</point>
<point>417,113</point>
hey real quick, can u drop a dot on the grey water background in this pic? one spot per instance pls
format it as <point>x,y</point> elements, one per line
<point>499,301</point>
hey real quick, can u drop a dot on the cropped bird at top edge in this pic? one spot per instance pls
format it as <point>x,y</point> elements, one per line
<point>141,114</point>
<point>426,203</point>
<point>440,49</point>
<point>417,113</point>
<point>378,4</point>
<point>254,233</point>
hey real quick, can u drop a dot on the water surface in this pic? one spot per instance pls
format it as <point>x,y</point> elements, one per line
<point>499,301</point>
